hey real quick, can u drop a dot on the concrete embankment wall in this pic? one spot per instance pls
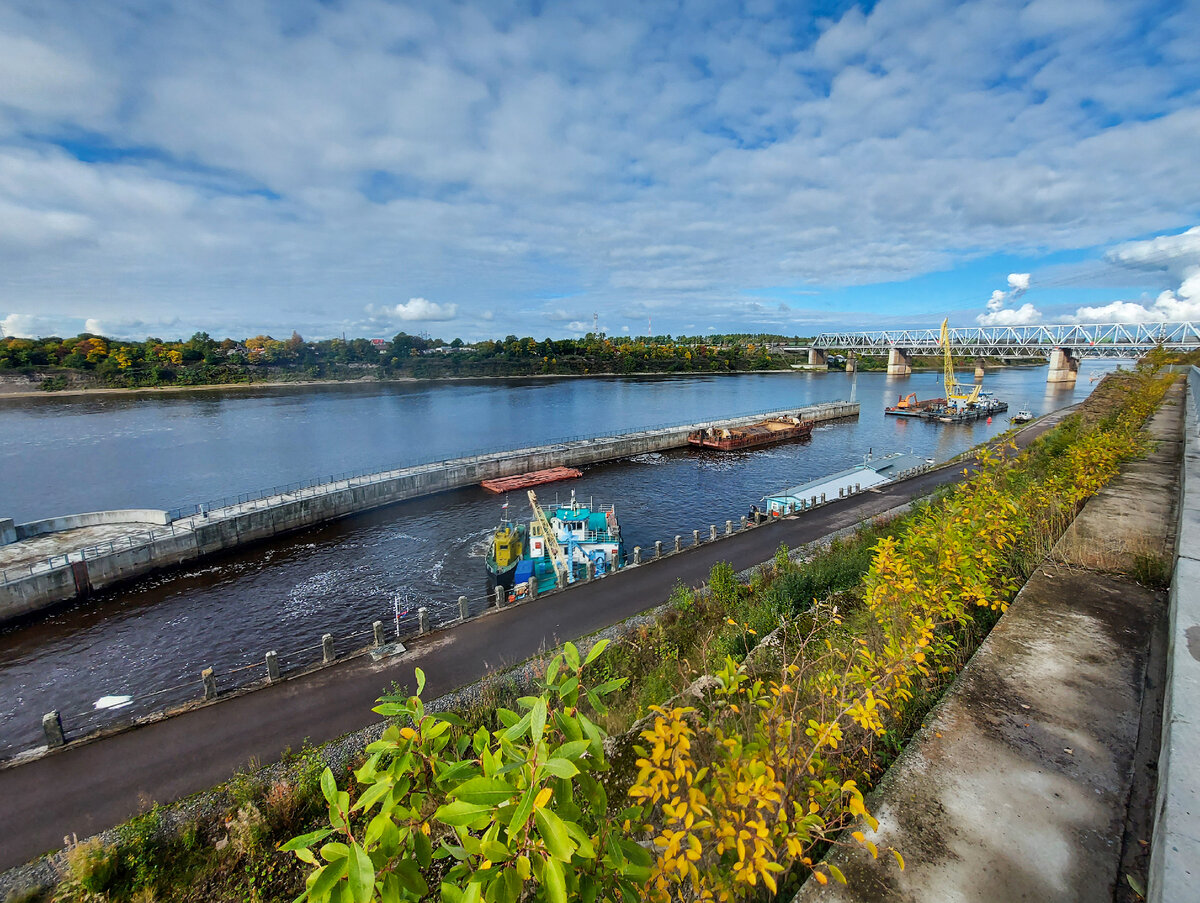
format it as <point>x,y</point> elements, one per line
<point>227,528</point>
<point>1175,850</point>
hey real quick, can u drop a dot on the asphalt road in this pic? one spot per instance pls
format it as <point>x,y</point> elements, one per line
<point>87,788</point>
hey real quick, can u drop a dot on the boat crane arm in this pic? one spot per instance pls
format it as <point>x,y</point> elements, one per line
<point>953,391</point>
<point>562,567</point>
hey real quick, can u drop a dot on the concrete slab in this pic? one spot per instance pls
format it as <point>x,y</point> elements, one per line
<point>50,545</point>
<point>1017,787</point>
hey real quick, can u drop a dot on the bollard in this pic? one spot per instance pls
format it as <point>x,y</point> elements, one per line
<point>678,543</point>
<point>533,587</point>
<point>812,503</point>
<point>499,596</point>
<point>744,522</point>
<point>377,630</point>
<point>822,498</point>
<point>327,648</point>
<point>695,537</point>
<point>712,532</point>
<point>52,725</point>
<point>858,487</point>
<point>658,548</point>
<point>273,665</point>
<point>464,609</point>
<point>637,555</point>
<point>591,570</point>
<point>210,683</point>
<point>423,619</point>
<point>728,527</point>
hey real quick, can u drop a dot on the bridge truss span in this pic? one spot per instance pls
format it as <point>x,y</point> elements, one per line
<point>1105,340</point>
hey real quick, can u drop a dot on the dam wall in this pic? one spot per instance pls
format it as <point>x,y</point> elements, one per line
<point>77,573</point>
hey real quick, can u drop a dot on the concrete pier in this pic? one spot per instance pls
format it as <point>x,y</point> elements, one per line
<point>70,557</point>
<point>1063,367</point>
<point>899,363</point>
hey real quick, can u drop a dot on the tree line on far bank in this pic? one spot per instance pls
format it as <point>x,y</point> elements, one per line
<point>93,360</point>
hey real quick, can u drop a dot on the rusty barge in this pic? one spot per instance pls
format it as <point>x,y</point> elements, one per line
<point>765,432</point>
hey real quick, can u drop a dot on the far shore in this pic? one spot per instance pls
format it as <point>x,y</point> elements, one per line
<point>373,380</point>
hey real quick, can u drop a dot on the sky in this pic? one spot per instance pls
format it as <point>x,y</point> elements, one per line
<point>481,169</point>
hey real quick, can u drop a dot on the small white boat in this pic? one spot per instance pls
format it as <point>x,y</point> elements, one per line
<point>1022,416</point>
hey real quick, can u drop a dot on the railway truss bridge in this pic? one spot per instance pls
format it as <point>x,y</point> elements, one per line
<point>1063,345</point>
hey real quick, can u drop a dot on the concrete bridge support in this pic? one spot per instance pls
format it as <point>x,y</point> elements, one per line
<point>1063,367</point>
<point>816,357</point>
<point>899,362</point>
<point>979,370</point>
<point>851,362</point>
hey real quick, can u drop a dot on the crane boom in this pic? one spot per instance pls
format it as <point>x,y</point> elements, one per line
<point>954,390</point>
<point>557,558</point>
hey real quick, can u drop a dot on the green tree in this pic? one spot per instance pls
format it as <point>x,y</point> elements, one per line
<point>520,810</point>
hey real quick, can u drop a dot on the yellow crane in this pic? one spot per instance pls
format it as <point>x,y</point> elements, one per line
<point>956,391</point>
<point>541,524</point>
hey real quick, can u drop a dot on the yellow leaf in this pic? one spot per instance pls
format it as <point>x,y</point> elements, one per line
<point>542,798</point>
<point>899,858</point>
<point>820,876</point>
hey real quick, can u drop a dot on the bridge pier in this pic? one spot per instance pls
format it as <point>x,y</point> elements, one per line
<point>1064,368</point>
<point>817,358</point>
<point>979,370</point>
<point>899,362</point>
<point>851,362</point>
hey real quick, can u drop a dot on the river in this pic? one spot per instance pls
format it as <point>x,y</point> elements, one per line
<point>162,450</point>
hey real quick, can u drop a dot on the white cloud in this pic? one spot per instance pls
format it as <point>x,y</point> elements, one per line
<point>1018,282</point>
<point>1025,315</point>
<point>27,326</point>
<point>417,309</point>
<point>1176,255</point>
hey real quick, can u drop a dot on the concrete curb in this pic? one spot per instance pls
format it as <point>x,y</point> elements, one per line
<point>1175,849</point>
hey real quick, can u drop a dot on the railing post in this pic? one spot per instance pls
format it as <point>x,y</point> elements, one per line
<point>423,619</point>
<point>678,543</point>
<point>637,555</point>
<point>272,666</point>
<point>210,683</point>
<point>695,537</point>
<point>327,648</point>
<point>499,594</point>
<point>377,633</point>
<point>52,727</point>
<point>464,607</point>
<point>712,532</point>
<point>533,587</point>
<point>658,548</point>
<point>728,527</point>
<point>745,522</point>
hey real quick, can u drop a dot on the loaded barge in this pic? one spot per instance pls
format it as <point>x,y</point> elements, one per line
<point>765,432</point>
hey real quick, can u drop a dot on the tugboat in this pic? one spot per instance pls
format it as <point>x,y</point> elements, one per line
<point>504,553</point>
<point>1022,416</point>
<point>569,540</point>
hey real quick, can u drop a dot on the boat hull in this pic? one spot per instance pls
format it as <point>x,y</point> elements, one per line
<point>766,432</point>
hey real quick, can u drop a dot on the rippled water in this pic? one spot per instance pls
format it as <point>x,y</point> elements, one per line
<point>68,455</point>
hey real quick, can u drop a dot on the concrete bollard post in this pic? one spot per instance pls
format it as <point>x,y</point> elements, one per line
<point>712,532</point>
<point>377,633</point>
<point>52,726</point>
<point>591,570</point>
<point>658,548</point>
<point>812,503</point>
<point>464,607</point>
<point>272,666</point>
<point>695,537</point>
<point>858,487</point>
<point>210,683</point>
<point>327,648</point>
<point>678,543</point>
<point>822,498</point>
<point>728,528</point>
<point>533,587</point>
<point>499,594</point>
<point>423,619</point>
<point>637,555</point>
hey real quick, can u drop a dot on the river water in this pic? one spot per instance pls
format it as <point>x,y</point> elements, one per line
<point>151,639</point>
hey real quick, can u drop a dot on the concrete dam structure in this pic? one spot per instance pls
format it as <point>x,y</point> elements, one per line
<point>56,560</point>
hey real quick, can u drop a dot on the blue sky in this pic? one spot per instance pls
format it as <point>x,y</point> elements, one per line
<point>479,169</point>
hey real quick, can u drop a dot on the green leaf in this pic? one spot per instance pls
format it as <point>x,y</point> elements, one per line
<point>422,849</point>
<point>420,681</point>
<point>390,892</point>
<point>305,840</point>
<point>572,655</point>
<point>460,814</point>
<point>451,894</point>
<point>572,750</point>
<point>362,875</point>
<point>328,786</point>
<point>552,671</point>
<point>554,882</point>
<point>554,833</point>
<point>560,768</point>
<point>483,791</point>
<point>373,795</point>
<point>326,879</point>
<point>569,686</point>
<point>494,851</point>
<point>595,652</point>
<point>411,879</point>
<point>524,808</point>
<point>610,686</point>
<point>537,721</point>
<point>519,727</point>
